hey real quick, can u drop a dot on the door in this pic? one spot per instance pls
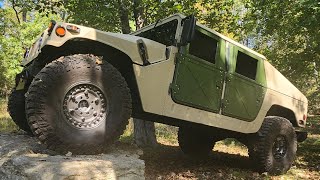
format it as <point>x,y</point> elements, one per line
<point>199,73</point>
<point>244,90</point>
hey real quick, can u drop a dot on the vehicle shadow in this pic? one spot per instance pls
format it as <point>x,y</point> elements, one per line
<point>169,162</point>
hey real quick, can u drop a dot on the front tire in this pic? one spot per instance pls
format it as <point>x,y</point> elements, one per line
<point>75,104</point>
<point>274,147</point>
<point>16,109</point>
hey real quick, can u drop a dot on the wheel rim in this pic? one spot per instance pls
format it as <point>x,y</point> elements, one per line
<point>279,147</point>
<point>85,106</point>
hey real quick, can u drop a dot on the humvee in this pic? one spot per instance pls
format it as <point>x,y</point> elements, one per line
<point>79,86</point>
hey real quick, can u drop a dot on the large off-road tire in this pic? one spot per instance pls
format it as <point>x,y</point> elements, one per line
<point>16,109</point>
<point>78,104</point>
<point>195,143</point>
<point>274,147</point>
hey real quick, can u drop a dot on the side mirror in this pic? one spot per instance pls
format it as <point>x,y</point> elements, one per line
<point>189,24</point>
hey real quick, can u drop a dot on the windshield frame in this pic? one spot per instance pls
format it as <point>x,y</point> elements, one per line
<point>177,17</point>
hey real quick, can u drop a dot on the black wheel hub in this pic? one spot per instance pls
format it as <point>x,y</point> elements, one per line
<point>85,106</point>
<point>280,147</point>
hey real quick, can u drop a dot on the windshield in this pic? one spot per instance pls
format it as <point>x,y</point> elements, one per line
<point>164,33</point>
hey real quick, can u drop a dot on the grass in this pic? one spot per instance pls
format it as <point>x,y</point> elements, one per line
<point>6,123</point>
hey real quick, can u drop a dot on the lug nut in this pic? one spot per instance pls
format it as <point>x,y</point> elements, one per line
<point>96,100</point>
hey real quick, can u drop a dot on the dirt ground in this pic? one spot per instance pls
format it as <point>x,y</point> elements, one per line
<point>228,160</point>
<point>225,162</point>
<point>168,162</point>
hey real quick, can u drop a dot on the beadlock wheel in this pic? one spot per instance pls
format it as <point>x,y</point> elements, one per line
<point>85,106</point>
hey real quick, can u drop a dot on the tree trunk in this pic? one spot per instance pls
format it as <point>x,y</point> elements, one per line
<point>124,17</point>
<point>24,15</point>
<point>138,13</point>
<point>144,131</point>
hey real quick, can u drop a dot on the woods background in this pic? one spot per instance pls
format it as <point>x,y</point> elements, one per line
<point>286,32</point>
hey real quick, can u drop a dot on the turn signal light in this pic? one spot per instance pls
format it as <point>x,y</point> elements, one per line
<point>60,31</point>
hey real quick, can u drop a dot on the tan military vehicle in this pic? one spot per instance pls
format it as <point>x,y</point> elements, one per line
<point>79,87</point>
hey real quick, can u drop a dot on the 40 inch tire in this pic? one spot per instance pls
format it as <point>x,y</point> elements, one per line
<point>274,147</point>
<point>76,104</point>
<point>16,109</point>
<point>195,143</point>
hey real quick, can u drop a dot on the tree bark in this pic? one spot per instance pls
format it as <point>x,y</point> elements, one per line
<point>124,17</point>
<point>144,133</point>
<point>24,15</point>
<point>138,13</point>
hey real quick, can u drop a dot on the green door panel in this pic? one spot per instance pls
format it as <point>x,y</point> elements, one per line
<point>197,83</point>
<point>243,97</point>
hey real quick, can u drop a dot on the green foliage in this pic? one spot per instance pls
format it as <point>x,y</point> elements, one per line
<point>15,37</point>
<point>220,15</point>
<point>287,32</point>
<point>98,14</point>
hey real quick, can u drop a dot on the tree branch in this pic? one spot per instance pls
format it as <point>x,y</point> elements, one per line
<point>14,8</point>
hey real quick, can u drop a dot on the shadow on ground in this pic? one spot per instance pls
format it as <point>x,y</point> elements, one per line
<point>168,162</point>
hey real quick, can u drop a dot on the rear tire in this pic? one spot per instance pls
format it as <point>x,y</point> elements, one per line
<point>16,109</point>
<point>274,147</point>
<point>75,104</point>
<point>195,143</point>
